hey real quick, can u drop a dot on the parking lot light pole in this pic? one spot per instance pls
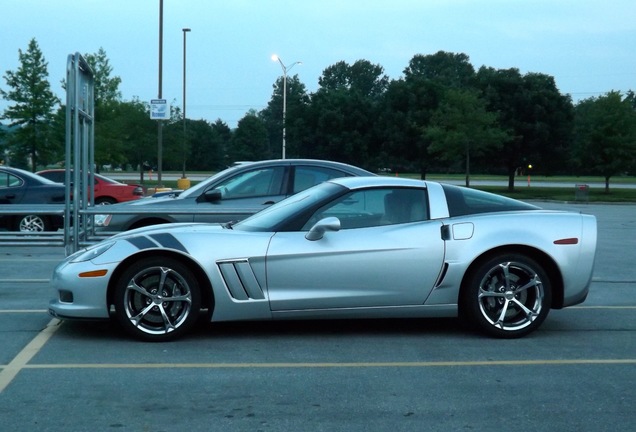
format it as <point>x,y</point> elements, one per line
<point>185,31</point>
<point>285,69</point>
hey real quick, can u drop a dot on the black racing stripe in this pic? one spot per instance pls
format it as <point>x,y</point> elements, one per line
<point>142,242</point>
<point>167,240</point>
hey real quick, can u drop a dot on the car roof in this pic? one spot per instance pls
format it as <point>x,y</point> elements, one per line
<point>24,174</point>
<point>378,181</point>
<point>312,162</point>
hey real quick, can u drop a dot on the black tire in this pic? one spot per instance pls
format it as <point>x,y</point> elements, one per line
<point>105,201</point>
<point>507,296</point>
<point>32,223</point>
<point>157,299</point>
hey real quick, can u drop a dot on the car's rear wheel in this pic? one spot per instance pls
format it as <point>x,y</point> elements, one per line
<point>32,223</point>
<point>507,296</point>
<point>157,299</point>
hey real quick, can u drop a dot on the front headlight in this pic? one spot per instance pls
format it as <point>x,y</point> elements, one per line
<point>92,252</point>
<point>102,220</point>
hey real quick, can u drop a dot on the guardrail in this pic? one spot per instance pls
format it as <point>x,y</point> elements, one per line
<point>87,235</point>
<point>15,238</point>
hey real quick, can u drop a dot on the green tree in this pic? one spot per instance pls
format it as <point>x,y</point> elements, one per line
<point>410,103</point>
<point>204,146</point>
<point>221,145</point>
<point>296,104</point>
<point>106,86</point>
<point>249,141</point>
<point>447,69</point>
<point>537,115</point>
<point>605,135</point>
<point>33,108</point>
<point>129,136</point>
<point>461,125</point>
<point>344,111</point>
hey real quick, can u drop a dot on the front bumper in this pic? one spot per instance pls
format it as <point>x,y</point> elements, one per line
<point>79,297</point>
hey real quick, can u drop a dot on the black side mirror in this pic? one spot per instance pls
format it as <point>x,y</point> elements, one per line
<point>211,196</point>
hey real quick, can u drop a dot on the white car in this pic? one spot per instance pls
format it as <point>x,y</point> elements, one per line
<point>356,247</point>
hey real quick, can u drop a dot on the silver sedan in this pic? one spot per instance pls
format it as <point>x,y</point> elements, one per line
<point>357,247</point>
<point>229,195</point>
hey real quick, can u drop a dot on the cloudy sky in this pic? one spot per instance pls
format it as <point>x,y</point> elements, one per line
<point>587,45</point>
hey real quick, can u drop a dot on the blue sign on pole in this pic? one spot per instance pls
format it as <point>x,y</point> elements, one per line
<point>159,109</point>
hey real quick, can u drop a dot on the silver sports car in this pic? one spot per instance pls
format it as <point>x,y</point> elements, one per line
<point>356,247</point>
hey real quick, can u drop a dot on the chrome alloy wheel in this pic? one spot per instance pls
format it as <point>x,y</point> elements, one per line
<point>157,300</point>
<point>32,223</point>
<point>511,296</point>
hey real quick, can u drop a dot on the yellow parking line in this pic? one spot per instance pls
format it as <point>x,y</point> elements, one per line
<point>19,362</point>
<point>329,364</point>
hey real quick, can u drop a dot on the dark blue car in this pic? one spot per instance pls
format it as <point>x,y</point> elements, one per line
<point>23,187</point>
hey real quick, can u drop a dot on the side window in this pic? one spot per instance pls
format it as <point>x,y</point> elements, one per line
<point>9,180</point>
<point>308,176</point>
<point>251,184</point>
<point>56,176</point>
<point>375,207</point>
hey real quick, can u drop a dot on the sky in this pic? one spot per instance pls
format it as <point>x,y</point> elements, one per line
<point>586,45</point>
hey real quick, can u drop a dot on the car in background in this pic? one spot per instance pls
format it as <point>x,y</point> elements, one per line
<point>107,191</point>
<point>356,247</point>
<point>18,186</point>
<point>230,195</point>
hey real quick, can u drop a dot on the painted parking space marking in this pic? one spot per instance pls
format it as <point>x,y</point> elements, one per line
<point>283,365</point>
<point>28,352</point>
<point>21,361</point>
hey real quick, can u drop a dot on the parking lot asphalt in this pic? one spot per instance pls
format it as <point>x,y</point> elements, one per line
<point>576,373</point>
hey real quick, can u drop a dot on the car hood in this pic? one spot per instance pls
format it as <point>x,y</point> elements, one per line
<point>173,228</point>
<point>197,240</point>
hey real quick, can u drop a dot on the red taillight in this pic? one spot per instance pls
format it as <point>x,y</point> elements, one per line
<point>567,241</point>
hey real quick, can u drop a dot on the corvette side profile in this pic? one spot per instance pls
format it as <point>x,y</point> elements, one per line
<point>355,247</point>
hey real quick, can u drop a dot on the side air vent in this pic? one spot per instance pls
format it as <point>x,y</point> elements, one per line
<point>240,280</point>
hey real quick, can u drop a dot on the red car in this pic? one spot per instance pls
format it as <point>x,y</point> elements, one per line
<point>107,191</point>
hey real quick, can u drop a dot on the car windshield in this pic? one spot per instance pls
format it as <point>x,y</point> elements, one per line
<point>199,188</point>
<point>268,219</point>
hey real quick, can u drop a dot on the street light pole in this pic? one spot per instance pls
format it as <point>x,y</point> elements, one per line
<point>285,69</point>
<point>160,123</point>
<point>185,30</point>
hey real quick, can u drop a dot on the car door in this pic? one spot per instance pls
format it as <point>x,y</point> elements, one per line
<point>12,188</point>
<point>371,261</point>
<point>244,193</point>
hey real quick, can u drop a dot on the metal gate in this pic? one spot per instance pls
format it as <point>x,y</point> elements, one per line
<point>80,151</point>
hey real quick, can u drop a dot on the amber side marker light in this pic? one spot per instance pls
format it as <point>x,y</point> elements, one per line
<point>567,241</point>
<point>94,273</point>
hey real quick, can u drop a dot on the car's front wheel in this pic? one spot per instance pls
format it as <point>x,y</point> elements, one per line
<point>32,223</point>
<point>157,299</point>
<point>507,296</point>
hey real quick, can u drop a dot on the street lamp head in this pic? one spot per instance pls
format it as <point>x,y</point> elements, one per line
<point>186,30</point>
<point>275,57</point>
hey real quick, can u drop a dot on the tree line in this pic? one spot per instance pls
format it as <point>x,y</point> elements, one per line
<point>441,116</point>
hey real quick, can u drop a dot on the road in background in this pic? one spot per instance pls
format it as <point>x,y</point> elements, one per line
<point>521,181</point>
